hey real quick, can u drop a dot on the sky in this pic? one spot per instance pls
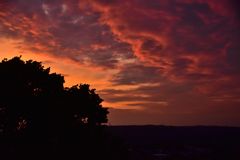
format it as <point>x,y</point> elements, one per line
<point>161,62</point>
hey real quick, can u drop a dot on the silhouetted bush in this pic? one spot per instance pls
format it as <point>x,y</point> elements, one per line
<point>33,99</point>
<point>40,119</point>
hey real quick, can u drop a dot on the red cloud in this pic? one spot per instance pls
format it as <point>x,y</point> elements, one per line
<point>165,33</point>
<point>61,28</point>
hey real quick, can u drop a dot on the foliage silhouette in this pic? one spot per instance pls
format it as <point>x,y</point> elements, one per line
<point>91,111</point>
<point>40,119</point>
<point>34,100</point>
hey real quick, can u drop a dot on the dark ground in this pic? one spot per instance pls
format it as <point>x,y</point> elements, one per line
<point>180,143</point>
<point>127,143</point>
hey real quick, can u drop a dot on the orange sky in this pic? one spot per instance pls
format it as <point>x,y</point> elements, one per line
<point>159,62</point>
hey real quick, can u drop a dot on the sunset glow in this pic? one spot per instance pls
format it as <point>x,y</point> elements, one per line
<point>153,62</point>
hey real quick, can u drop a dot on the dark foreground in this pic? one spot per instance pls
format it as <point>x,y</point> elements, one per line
<point>127,143</point>
<point>181,143</point>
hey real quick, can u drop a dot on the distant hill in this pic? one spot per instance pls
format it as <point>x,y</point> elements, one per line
<point>187,143</point>
<point>127,143</point>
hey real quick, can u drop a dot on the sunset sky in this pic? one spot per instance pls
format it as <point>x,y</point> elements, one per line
<point>169,62</point>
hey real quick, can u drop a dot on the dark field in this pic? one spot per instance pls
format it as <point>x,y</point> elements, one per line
<point>180,143</point>
<point>127,143</point>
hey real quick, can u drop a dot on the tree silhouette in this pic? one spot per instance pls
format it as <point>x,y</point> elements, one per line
<point>40,119</point>
<point>34,101</point>
<point>91,111</point>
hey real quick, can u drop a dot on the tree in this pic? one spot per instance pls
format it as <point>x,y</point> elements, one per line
<point>91,111</point>
<point>34,100</point>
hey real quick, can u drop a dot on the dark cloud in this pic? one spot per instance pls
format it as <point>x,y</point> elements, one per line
<point>135,74</point>
<point>215,115</point>
<point>233,57</point>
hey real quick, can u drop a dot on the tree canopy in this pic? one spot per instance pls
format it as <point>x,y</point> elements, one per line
<point>32,99</point>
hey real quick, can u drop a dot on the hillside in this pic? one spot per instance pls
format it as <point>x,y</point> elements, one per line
<point>187,143</point>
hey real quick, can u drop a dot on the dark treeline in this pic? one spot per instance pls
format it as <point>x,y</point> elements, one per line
<point>40,119</point>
